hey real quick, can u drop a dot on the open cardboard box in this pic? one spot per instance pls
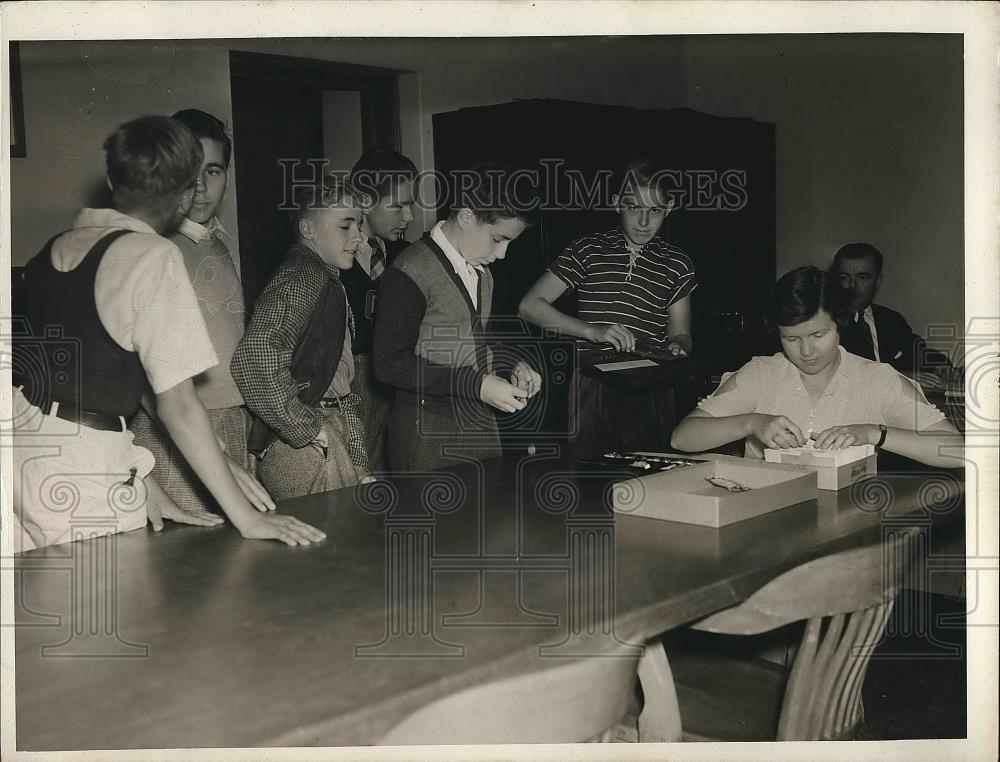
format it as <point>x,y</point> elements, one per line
<point>684,495</point>
<point>835,469</point>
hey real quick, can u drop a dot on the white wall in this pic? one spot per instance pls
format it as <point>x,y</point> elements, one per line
<point>75,95</point>
<point>869,148</point>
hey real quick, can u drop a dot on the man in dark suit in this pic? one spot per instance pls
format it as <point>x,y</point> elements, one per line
<point>877,332</point>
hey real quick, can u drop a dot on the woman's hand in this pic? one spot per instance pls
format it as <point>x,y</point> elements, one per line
<point>775,431</point>
<point>274,526</point>
<point>840,437</point>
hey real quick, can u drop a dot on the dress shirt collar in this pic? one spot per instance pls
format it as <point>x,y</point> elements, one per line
<point>363,256</point>
<point>869,317</point>
<point>620,240</point>
<point>199,233</point>
<point>110,218</point>
<point>460,263</point>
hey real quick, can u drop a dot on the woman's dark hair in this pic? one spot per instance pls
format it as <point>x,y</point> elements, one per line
<point>800,294</point>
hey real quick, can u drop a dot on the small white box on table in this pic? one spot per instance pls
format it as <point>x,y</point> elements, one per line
<point>684,495</point>
<point>835,469</point>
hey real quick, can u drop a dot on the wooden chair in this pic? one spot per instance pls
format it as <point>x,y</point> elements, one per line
<point>845,600</point>
<point>574,701</point>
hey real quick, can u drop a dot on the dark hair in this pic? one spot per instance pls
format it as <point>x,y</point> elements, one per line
<point>377,173</point>
<point>859,251</point>
<point>204,125</point>
<point>150,161</point>
<point>496,191</point>
<point>800,294</point>
<point>328,191</point>
<point>644,173</point>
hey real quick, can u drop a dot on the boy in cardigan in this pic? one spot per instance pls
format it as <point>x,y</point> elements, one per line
<point>430,343</point>
<point>294,365</point>
<point>385,179</point>
<point>215,276</point>
<point>630,284</point>
<point>115,287</point>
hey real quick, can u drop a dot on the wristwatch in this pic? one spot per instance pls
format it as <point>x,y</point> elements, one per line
<point>881,439</point>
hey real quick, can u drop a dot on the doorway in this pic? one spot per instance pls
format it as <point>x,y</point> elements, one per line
<point>289,115</point>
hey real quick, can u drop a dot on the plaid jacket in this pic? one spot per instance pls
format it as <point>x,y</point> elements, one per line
<point>289,353</point>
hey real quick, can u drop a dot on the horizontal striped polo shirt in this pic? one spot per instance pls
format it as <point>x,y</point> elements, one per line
<point>611,290</point>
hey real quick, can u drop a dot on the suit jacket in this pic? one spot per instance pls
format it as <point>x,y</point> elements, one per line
<point>897,344</point>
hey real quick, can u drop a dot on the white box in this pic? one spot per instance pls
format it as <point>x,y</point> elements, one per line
<point>684,495</point>
<point>835,469</point>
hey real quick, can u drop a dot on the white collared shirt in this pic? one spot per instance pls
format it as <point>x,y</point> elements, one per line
<point>198,232</point>
<point>467,272</point>
<point>870,320</point>
<point>144,296</point>
<point>860,391</point>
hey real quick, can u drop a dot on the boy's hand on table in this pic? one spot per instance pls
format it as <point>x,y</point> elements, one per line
<point>776,431</point>
<point>525,378</point>
<point>159,507</point>
<point>251,488</point>
<point>504,396</point>
<point>675,349</point>
<point>618,336</point>
<point>841,437</point>
<point>274,526</point>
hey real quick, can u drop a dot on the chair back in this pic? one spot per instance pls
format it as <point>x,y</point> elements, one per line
<point>846,599</point>
<point>570,702</point>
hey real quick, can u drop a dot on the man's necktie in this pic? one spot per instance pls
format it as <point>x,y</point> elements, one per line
<point>379,260</point>
<point>865,344</point>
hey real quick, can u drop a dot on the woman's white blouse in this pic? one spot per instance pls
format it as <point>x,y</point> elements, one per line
<point>861,391</point>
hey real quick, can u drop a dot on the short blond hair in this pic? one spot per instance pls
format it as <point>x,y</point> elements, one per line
<point>325,192</point>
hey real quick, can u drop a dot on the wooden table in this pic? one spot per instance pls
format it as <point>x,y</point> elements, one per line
<point>197,638</point>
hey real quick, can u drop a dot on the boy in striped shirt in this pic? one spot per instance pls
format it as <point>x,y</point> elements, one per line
<point>630,284</point>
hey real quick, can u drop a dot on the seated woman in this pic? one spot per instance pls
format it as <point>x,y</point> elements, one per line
<point>814,389</point>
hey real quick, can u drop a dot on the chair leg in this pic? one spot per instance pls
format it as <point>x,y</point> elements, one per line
<point>660,719</point>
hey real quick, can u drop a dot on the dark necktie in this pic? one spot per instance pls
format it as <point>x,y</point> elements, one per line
<point>863,341</point>
<point>379,260</point>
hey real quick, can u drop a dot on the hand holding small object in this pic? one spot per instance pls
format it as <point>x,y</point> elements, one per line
<point>502,395</point>
<point>618,336</point>
<point>775,431</point>
<point>525,378</point>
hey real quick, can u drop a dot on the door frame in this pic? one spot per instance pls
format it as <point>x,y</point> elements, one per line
<point>378,88</point>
